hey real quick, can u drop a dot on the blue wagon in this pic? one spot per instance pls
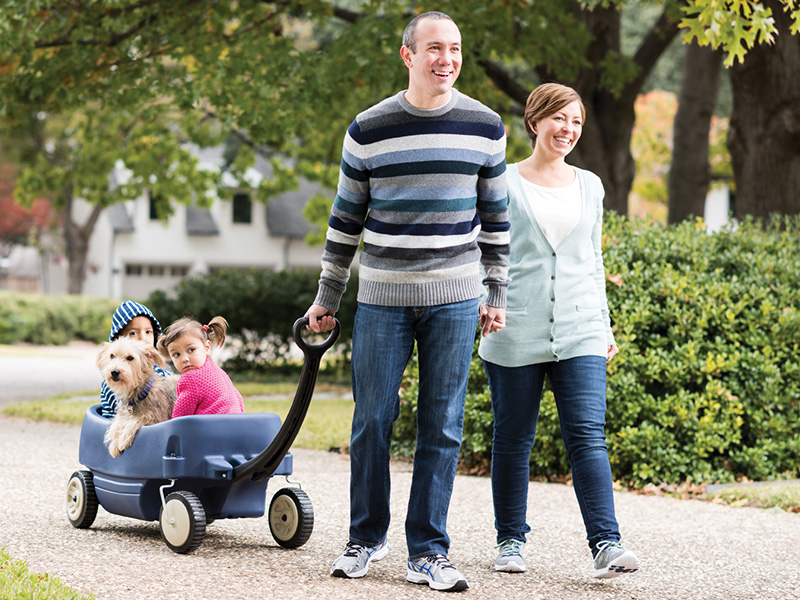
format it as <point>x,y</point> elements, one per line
<point>187,472</point>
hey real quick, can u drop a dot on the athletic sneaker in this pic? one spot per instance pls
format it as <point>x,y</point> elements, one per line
<point>613,560</point>
<point>437,572</point>
<point>510,558</point>
<point>354,561</point>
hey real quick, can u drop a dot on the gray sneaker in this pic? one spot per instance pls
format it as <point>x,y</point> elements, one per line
<point>613,560</point>
<point>354,561</point>
<point>437,572</point>
<point>510,558</point>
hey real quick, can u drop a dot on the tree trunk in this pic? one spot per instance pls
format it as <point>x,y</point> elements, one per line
<point>764,137</point>
<point>605,146</point>
<point>76,241</point>
<point>690,172</point>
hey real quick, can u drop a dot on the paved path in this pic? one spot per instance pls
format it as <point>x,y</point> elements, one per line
<point>689,549</point>
<point>30,372</point>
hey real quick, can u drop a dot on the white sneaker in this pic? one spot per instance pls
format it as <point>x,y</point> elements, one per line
<point>438,572</point>
<point>354,561</point>
<point>613,560</point>
<point>510,558</point>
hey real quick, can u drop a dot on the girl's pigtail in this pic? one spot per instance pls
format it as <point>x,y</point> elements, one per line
<point>216,328</point>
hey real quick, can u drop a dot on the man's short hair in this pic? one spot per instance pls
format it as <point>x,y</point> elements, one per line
<point>409,35</point>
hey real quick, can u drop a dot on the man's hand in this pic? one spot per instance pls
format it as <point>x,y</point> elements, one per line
<point>320,319</point>
<point>492,319</point>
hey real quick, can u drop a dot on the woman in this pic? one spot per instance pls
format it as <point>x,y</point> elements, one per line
<point>557,324</point>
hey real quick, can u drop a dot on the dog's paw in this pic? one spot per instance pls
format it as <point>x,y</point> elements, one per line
<point>114,450</point>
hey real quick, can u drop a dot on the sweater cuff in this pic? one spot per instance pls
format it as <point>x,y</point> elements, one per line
<point>328,297</point>
<point>497,296</point>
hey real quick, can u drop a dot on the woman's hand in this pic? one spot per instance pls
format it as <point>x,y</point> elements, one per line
<point>612,352</point>
<point>491,318</point>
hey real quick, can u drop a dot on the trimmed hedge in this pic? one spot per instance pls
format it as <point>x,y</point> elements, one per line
<point>260,306</point>
<point>53,320</point>
<point>706,386</point>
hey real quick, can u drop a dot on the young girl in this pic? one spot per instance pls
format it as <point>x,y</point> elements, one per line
<point>203,388</point>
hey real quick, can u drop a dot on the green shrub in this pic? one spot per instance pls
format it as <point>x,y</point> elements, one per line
<point>56,320</point>
<point>706,386</point>
<point>260,306</point>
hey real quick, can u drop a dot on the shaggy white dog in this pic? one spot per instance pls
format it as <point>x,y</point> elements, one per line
<point>143,396</point>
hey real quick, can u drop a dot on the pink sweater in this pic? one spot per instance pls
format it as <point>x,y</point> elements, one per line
<point>207,391</point>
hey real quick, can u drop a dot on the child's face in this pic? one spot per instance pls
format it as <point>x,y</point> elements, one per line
<point>139,328</point>
<point>188,352</point>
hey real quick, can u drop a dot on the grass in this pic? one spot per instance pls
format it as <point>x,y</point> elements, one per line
<point>327,424</point>
<point>782,495</point>
<point>17,582</point>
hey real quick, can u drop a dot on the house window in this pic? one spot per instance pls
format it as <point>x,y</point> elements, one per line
<point>156,270</point>
<point>153,202</point>
<point>134,270</point>
<point>178,271</point>
<point>242,208</point>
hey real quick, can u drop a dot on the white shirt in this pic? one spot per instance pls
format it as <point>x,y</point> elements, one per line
<point>557,210</point>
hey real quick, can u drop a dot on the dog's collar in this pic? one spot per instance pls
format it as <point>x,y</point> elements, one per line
<point>142,395</point>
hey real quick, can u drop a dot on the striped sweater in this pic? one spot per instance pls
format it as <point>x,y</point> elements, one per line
<point>426,190</point>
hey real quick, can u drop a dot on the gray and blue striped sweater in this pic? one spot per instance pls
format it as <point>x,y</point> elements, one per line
<point>426,189</point>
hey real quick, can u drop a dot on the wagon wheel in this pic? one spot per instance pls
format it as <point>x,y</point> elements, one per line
<point>81,499</point>
<point>291,517</point>
<point>183,522</point>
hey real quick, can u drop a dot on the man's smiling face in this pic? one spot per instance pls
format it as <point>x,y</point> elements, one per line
<point>434,64</point>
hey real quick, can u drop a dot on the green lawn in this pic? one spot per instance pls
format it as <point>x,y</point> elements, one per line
<point>18,583</point>
<point>327,424</point>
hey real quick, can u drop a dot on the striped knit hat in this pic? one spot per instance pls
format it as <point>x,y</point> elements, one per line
<point>126,312</point>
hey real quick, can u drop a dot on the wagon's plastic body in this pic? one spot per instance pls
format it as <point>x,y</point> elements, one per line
<point>199,452</point>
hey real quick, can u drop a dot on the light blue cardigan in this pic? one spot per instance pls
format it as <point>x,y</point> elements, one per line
<point>556,307</point>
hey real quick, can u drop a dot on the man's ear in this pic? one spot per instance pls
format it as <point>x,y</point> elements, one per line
<point>406,53</point>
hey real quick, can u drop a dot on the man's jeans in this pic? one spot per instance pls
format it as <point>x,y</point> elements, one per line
<point>579,387</point>
<point>383,342</point>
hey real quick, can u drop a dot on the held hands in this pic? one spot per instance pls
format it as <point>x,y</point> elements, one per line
<point>491,319</point>
<point>320,319</point>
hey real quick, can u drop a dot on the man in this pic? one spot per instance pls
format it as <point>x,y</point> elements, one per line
<point>423,180</point>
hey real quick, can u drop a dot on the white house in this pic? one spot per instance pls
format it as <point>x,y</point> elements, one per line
<point>132,253</point>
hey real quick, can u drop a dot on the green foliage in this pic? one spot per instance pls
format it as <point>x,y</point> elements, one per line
<point>56,320</point>
<point>18,583</point>
<point>260,306</point>
<point>734,25</point>
<point>706,386</point>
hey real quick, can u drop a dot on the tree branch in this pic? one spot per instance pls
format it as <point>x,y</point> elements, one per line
<point>652,47</point>
<point>507,84</point>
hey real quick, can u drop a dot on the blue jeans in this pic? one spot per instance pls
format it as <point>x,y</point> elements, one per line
<point>383,341</point>
<point>579,387</point>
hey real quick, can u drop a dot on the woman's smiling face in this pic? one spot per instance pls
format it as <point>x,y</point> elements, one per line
<point>559,133</point>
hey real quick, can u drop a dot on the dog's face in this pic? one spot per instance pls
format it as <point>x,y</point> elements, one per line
<point>127,364</point>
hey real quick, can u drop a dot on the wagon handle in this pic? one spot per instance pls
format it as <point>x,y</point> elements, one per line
<point>264,465</point>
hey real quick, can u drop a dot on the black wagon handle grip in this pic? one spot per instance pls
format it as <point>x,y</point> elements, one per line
<point>264,465</point>
<point>314,349</point>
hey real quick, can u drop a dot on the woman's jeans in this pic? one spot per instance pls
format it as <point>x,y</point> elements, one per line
<point>383,341</point>
<point>579,387</point>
